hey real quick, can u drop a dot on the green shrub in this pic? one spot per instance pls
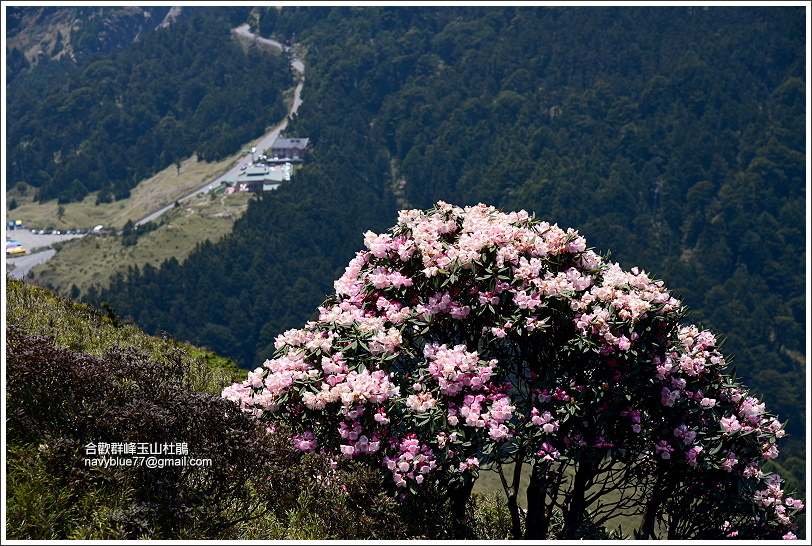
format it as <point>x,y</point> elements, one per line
<point>84,329</point>
<point>65,401</point>
<point>74,378</point>
<point>489,518</point>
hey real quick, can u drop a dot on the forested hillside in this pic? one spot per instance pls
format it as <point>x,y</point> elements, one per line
<point>670,136</point>
<point>38,35</point>
<point>108,120</point>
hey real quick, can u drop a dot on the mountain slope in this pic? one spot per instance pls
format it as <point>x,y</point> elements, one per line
<point>43,34</point>
<point>670,136</point>
<point>102,124</point>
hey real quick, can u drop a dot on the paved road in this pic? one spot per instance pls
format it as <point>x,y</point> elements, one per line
<point>265,142</point>
<point>243,31</point>
<point>23,264</point>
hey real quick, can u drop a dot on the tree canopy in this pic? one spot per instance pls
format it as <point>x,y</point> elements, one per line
<point>468,337</point>
<point>108,122</point>
<point>673,135</point>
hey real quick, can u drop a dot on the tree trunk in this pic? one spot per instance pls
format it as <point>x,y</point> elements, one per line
<point>459,501</point>
<point>575,509</point>
<point>646,531</point>
<point>537,522</point>
<point>512,494</point>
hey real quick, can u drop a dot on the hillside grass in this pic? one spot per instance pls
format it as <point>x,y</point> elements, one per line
<point>84,329</point>
<point>61,379</point>
<point>95,259</point>
<point>489,484</point>
<point>160,190</point>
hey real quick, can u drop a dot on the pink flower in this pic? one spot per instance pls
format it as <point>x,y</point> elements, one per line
<point>668,397</point>
<point>691,455</point>
<point>499,432</point>
<point>750,409</point>
<point>683,433</point>
<point>730,461</point>
<point>472,462</point>
<point>381,418</point>
<point>770,452</point>
<point>548,452</point>
<point>730,424</point>
<point>421,402</point>
<point>664,449</point>
<point>305,442</point>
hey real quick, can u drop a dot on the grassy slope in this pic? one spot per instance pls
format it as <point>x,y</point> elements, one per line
<point>49,509</point>
<point>150,195</point>
<point>83,329</point>
<point>94,259</point>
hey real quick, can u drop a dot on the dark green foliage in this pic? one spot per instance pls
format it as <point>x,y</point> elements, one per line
<point>15,63</point>
<point>112,120</point>
<point>66,400</point>
<point>672,137</point>
<point>131,232</point>
<point>111,317</point>
<point>347,503</point>
<point>143,389</point>
<point>60,401</point>
<point>104,29</point>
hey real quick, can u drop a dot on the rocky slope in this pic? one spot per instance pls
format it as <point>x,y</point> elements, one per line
<point>49,33</point>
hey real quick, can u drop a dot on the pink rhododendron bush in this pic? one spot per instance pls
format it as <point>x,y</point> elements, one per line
<point>469,338</point>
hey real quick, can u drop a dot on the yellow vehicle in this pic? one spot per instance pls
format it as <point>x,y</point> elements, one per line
<point>14,248</point>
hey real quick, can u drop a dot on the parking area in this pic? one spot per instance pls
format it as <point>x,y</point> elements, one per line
<point>32,241</point>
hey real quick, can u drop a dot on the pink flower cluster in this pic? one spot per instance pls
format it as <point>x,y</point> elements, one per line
<point>471,462</point>
<point>628,296</point>
<point>383,278</point>
<point>456,369</point>
<point>547,452</point>
<point>356,443</point>
<point>414,460</point>
<point>432,328</point>
<point>442,302</point>
<point>773,496</point>
<point>698,353</point>
<point>421,402</point>
<point>305,441</point>
<point>475,414</point>
<point>663,449</point>
<point>545,420</point>
<point>686,435</point>
<point>261,391</point>
<point>691,455</point>
<point>635,416</point>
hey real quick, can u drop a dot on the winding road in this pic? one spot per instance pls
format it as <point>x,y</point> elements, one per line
<point>266,141</point>
<point>23,264</point>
